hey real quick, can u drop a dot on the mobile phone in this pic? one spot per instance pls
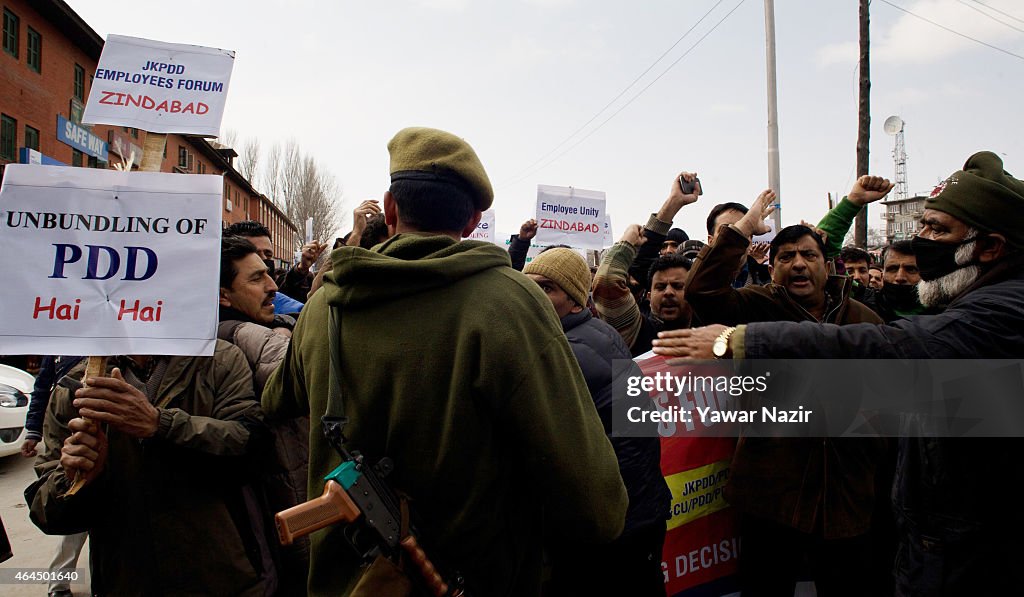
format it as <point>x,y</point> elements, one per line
<point>688,187</point>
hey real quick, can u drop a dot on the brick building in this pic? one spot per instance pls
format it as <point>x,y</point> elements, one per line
<point>47,59</point>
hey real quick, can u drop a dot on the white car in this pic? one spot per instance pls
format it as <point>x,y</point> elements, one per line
<point>15,388</point>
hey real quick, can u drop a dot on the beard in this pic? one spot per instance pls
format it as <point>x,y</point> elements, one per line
<point>941,291</point>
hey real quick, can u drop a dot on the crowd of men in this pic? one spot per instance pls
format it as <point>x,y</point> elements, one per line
<point>491,393</point>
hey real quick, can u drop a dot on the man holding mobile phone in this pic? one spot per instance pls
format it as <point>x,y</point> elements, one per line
<point>633,256</point>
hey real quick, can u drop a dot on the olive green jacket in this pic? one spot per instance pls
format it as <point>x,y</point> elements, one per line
<point>166,516</point>
<point>455,366</point>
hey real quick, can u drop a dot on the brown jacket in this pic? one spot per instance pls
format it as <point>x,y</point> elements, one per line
<point>167,516</point>
<point>805,483</point>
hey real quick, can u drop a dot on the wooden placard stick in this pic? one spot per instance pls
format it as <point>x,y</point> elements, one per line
<point>152,158</point>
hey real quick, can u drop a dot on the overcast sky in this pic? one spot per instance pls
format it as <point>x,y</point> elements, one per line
<point>517,78</point>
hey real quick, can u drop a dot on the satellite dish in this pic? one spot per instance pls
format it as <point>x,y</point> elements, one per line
<point>893,125</point>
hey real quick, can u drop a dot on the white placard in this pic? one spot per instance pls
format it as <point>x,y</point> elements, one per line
<point>609,236</point>
<point>103,262</point>
<point>767,237</point>
<point>160,87</point>
<point>485,229</point>
<point>569,216</point>
<point>535,249</point>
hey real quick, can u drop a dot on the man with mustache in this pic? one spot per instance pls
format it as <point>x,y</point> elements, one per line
<point>637,256</point>
<point>875,276</point>
<point>798,496</point>
<point>247,320</point>
<point>954,539</point>
<point>897,297</point>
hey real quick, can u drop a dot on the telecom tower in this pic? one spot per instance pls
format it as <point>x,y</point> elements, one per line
<point>894,126</point>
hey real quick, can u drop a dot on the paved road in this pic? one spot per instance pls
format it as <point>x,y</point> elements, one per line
<point>32,549</point>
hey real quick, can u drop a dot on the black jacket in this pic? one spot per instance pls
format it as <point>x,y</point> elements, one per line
<point>958,537</point>
<point>596,345</point>
<point>51,369</point>
<point>517,250</point>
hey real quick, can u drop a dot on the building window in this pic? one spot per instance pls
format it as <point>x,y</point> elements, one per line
<point>79,82</point>
<point>135,133</point>
<point>76,158</point>
<point>8,137</point>
<point>182,157</point>
<point>11,28</point>
<point>31,138</point>
<point>35,50</point>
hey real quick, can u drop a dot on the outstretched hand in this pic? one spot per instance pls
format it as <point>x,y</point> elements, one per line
<point>693,343</point>
<point>753,222</point>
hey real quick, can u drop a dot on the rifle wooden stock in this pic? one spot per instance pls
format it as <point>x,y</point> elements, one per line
<point>435,583</point>
<point>331,507</point>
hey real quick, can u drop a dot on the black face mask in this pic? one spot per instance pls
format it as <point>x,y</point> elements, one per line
<point>270,267</point>
<point>935,259</point>
<point>900,296</point>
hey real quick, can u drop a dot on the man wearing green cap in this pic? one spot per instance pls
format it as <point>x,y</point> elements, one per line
<point>956,538</point>
<point>446,368</point>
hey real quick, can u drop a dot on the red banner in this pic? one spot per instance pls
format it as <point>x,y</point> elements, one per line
<point>702,544</point>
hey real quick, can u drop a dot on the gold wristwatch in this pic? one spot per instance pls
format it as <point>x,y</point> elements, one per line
<point>721,346</point>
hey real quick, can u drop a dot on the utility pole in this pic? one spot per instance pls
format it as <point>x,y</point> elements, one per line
<point>773,111</point>
<point>860,230</point>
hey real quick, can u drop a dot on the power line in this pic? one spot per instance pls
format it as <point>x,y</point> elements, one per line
<point>976,9</point>
<point>999,11</point>
<point>986,44</point>
<point>614,99</point>
<point>631,100</point>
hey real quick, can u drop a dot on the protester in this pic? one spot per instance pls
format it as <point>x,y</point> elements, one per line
<point>375,233</point>
<point>673,240</point>
<point>167,447</point>
<point>519,244</point>
<point>837,222</point>
<point>636,257</point>
<point>495,453</point>
<point>900,277</point>
<point>875,276</point>
<point>752,272</point>
<point>800,497</point>
<point>691,248</point>
<point>247,321</point>
<point>954,540</point>
<point>296,281</point>
<point>855,262</point>
<point>259,236</point>
<point>630,565</point>
<point>51,369</point>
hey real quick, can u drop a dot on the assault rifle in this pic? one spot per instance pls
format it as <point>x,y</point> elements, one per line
<point>376,519</point>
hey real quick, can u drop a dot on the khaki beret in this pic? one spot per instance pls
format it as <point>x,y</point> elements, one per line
<point>431,154</point>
